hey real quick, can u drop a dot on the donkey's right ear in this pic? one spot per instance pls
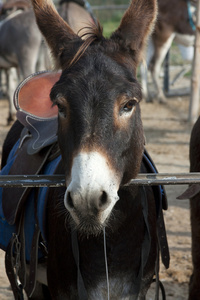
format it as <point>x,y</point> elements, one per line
<point>136,25</point>
<point>59,36</point>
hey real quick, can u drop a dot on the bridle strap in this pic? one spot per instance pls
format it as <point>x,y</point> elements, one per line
<point>14,261</point>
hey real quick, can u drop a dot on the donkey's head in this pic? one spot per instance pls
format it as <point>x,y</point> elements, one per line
<point>100,130</point>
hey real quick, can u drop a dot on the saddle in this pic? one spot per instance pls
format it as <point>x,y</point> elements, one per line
<point>23,210</point>
<point>83,3</point>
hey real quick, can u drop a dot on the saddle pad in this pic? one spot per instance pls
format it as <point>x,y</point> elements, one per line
<point>6,229</point>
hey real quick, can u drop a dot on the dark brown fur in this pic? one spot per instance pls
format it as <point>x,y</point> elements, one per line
<point>194,289</point>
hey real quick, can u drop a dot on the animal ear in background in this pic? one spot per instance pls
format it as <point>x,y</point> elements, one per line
<point>58,34</point>
<point>136,26</point>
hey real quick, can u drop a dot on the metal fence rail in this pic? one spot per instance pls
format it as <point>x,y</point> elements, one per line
<point>59,180</point>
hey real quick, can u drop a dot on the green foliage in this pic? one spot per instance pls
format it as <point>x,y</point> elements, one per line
<point>111,25</point>
<point>110,19</point>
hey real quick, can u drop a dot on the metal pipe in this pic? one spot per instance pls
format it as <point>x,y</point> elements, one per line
<point>32,180</point>
<point>59,180</point>
<point>166,179</point>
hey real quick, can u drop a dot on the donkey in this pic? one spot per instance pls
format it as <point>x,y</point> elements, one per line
<point>174,23</point>
<point>194,194</point>
<point>101,233</point>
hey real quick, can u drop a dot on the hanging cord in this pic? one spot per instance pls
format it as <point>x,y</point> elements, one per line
<point>192,24</point>
<point>106,262</point>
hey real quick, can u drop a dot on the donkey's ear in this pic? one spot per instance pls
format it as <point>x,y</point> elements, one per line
<point>136,25</point>
<point>59,36</point>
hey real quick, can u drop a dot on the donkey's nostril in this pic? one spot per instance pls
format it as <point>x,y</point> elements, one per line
<point>70,201</point>
<point>103,198</point>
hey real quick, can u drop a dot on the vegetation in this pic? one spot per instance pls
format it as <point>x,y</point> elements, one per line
<point>110,19</point>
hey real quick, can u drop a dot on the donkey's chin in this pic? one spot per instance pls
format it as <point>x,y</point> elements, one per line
<point>88,226</point>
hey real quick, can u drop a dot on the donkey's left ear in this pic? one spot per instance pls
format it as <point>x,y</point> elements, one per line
<point>136,25</point>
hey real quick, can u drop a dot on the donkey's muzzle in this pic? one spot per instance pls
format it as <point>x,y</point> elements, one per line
<point>98,202</point>
<point>93,188</point>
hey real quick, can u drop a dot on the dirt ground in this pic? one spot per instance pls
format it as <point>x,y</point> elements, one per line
<point>167,140</point>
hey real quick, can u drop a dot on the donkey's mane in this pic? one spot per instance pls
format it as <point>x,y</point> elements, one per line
<point>93,33</point>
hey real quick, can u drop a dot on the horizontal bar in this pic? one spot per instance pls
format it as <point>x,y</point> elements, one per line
<point>59,180</point>
<point>166,179</point>
<point>32,180</point>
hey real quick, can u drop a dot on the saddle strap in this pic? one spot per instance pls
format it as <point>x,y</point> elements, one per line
<point>162,240</point>
<point>24,164</point>
<point>15,252</point>
<point>146,244</point>
<point>16,263</point>
<point>33,261</point>
<point>15,260</point>
<point>11,268</point>
<point>22,266</point>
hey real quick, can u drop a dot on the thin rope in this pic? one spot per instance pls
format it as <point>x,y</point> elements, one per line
<point>106,263</point>
<point>190,16</point>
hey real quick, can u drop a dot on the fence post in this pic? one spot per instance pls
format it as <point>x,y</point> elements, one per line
<point>195,80</point>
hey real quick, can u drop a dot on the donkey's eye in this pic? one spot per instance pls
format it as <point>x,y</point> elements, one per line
<point>62,110</point>
<point>129,105</point>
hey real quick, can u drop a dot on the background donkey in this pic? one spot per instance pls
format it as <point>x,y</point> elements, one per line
<point>194,194</point>
<point>101,141</point>
<point>173,23</point>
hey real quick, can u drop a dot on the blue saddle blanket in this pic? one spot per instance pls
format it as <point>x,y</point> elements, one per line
<point>7,230</point>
